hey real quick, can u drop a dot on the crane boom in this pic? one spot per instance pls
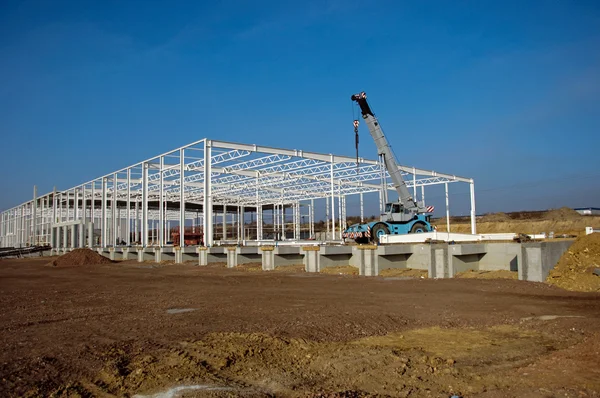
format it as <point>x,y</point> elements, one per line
<point>404,196</point>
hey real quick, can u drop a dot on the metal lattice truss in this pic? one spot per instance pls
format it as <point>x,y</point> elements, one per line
<point>252,175</point>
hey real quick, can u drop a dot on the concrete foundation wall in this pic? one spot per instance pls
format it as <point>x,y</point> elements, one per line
<point>420,257</point>
<point>288,259</point>
<point>466,262</point>
<point>393,261</point>
<point>499,254</point>
<point>533,261</point>
<point>540,258</point>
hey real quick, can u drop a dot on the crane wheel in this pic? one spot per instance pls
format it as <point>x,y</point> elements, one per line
<point>418,228</point>
<point>378,230</point>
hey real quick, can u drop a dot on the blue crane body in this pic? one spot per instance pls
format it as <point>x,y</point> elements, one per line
<point>404,217</point>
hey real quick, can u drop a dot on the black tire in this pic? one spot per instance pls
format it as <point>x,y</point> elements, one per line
<point>377,231</point>
<point>418,228</point>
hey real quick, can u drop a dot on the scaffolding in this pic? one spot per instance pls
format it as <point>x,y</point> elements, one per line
<point>229,191</point>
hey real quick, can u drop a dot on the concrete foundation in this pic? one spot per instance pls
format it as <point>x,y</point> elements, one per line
<point>232,257</point>
<point>312,258</point>
<point>532,261</point>
<point>202,255</point>
<point>268,258</point>
<point>540,259</point>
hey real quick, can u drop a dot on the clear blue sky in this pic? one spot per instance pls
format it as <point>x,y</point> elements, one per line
<point>506,92</point>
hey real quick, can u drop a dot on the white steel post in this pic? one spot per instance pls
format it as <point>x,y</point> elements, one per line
<point>136,222</point>
<point>76,205</point>
<point>182,197</point>
<point>275,225</point>
<point>103,222</point>
<point>113,208</point>
<point>332,199</point>
<point>144,226</point>
<point>224,221</point>
<point>258,212</point>
<point>128,212</point>
<point>473,214</point>
<point>52,229</point>
<point>447,209</point>
<point>161,207</point>
<point>312,218</point>
<point>35,239</point>
<point>423,194</point>
<point>415,184</point>
<point>93,202</point>
<point>207,205</point>
<point>327,218</point>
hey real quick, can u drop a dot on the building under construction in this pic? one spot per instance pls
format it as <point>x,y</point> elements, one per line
<point>221,192</point>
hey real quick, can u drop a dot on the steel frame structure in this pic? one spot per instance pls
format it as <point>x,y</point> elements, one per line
<point>140,203</point>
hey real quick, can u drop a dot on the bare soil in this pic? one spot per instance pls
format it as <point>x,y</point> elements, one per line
<point>127,329</point>
<point>404,272</point>
<point>340,270</point>
<point>574,270</point>
<point>560,221</point>
<point>478,274</point>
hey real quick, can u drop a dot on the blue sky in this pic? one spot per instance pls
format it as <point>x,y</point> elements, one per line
<point>505,92</point>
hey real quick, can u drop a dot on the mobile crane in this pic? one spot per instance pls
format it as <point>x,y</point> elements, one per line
<point>406,216</point>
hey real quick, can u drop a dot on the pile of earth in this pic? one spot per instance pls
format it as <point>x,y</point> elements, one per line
<point>574,270</point>
<point>80,257</point>
<point>495,217</point>
<point>403,272</point>
<point>340,270</point>
<point>562,214</point>
<point>482,274</point>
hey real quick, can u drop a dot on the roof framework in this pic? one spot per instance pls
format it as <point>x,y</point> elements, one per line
<point>170,185</point>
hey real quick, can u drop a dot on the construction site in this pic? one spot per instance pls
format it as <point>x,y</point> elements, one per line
<point>204,271</point>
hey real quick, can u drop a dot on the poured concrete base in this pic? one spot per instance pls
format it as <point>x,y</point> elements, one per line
<point>532,261</point>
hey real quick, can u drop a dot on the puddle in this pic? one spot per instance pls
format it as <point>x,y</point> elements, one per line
<point>549,317</point>
<point>179,310</point>
<point>175,391</point>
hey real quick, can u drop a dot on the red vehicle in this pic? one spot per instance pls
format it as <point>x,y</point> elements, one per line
<point>193,236</point>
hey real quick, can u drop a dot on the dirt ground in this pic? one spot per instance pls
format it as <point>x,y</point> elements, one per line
<point>503,274</point>
<point>575,269</point>
<point>140,329</point>
<point>560,221</point>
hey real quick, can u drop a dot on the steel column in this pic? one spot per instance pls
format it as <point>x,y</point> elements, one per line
<point>447,209</point>
<point>332,199</point>
<point>473,214</point>
<point>182,196</point>
<point>144,226</point>
<point>128,212</point>
<point>207,203</point>
<point>103,222</point>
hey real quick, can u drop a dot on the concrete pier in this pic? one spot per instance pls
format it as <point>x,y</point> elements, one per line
<point>268,258</point>
<point>312,258</point>
<point>232,257</point>
<point>202,255</point>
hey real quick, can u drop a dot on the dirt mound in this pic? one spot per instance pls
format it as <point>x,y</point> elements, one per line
<point>80,257</point>
<point>495,217</point>
<point>562,214</point>
<point>340,270</point>
<point>403,272</point>
<point>498,274</point>
<point>574,270</point>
